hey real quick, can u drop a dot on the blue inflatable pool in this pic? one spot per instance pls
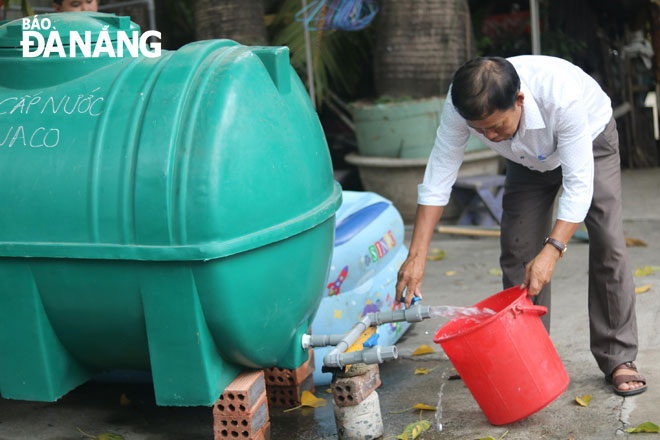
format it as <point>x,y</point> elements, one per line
<point>368,252</point>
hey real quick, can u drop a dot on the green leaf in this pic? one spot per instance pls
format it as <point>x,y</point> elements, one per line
<point>645,427</point>
<point>109,436</point>
<point>26,8</point>
<point>436,254</point>
<point>412,431</point>
<point>104,436</point>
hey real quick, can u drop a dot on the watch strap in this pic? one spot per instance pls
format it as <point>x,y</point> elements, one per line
<point>561,247</point>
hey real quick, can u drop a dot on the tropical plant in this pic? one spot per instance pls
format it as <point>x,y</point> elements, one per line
<point>26,9</point>
<point>339,58</point>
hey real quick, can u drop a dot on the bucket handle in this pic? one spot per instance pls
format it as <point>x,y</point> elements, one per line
<point>520,308</point>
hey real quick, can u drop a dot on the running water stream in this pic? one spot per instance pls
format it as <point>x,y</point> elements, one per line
<point>453,312</point>
<point>475,314</point>
<point>438,411</point>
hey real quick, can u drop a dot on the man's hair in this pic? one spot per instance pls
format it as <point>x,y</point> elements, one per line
<point>59,2</point>
<point>483,86</point>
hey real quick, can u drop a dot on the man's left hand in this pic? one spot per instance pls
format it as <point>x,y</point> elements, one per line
<point>539,271</point>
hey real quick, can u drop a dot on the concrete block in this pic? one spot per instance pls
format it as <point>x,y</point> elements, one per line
<point>288,396</point>
<point>241,394</point>
<point>350,391</point>
<point>360,421</point>
<point>284,377</point>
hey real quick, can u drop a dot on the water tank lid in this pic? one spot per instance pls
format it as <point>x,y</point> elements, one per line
<point>11,32</point>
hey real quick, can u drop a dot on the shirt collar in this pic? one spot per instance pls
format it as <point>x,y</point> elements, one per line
<point>531,114</point>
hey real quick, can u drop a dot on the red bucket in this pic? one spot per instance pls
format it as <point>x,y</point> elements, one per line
<point>507,361</point>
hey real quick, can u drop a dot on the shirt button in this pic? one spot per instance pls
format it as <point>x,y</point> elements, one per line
<point>522,157</point>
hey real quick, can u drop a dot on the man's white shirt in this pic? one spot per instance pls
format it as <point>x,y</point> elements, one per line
<point>564,110</point>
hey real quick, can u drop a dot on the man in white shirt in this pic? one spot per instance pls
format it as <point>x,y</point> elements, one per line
<point>553,123</point>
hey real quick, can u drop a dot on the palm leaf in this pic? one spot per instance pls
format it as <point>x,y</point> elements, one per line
<point>339,57</point>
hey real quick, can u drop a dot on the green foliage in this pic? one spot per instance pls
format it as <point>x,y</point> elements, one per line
<point>339,58</point>
<point>26,9</point>
<point>559,44</point>
<point>181,22</point>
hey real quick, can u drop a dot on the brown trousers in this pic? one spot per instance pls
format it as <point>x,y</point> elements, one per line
<point>526,221</point>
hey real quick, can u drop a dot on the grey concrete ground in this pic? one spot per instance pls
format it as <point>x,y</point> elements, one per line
<point>96,407</point>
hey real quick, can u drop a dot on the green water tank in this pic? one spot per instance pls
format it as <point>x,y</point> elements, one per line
<point>171,214</point>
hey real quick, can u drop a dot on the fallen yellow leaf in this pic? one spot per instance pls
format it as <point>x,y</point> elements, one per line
<point>109,436</point>
<point>644,427</point>
<point>450,273</point>
<point>494,271</point>
<point>309,400</point>
<point>644,271</point>
<point>436,254</point>
<point>328,390</point>
<point>584,400</point>
<point>423,349</point>
<point>634,242</point>
<point>422,371</point>
<point>104,436</point>
<point>412,431</point>
<point>425,407</point>
<point>123,400</point>
<point>643,289</point>
<point>490,437</point>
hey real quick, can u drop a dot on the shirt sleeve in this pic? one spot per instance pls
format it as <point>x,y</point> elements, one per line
<point>575,148</point>
<point>446,157</point>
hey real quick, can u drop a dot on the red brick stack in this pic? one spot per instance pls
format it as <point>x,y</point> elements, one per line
<point>351,391</point>
<point>285,387</point>
<point>241,412</point>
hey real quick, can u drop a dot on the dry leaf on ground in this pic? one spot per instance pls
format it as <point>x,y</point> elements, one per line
<point>124,400</point>
<point>643,289</point>
<point>419,406</point>
<point>644,427</point>
<point>412,431</point>
<point>104,436</point>
<point>423,349</point>
<point>425,407</point>
<point>490,437</point>
<point>646,270</point>
<point>309,400</point>
<point>584,400</point>
<point>436,254</point>
<point>424,370</point>
<point>634,242</point>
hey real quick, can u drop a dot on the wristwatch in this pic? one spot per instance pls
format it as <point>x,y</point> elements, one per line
<point>561,247</point>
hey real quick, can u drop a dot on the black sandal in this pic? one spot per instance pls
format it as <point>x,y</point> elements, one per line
<point>619,380</point>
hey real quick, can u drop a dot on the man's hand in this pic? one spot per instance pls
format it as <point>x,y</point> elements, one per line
<point>539,271</point>
<point>410,277</point>
<point>411,271</point>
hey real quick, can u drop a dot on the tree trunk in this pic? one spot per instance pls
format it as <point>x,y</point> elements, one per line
<point>419,45</point>
<point>238,20</point>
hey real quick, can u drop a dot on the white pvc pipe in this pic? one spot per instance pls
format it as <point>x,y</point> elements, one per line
<point>534,23</point>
